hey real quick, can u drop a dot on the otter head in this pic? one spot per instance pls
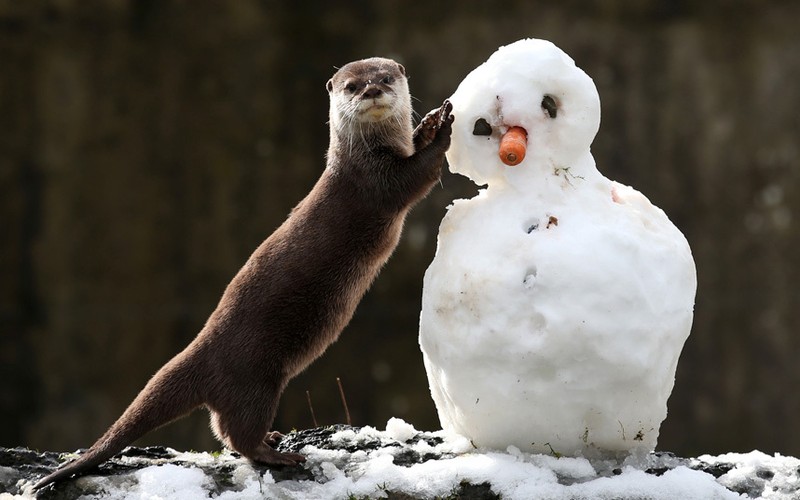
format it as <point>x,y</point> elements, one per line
<point>369,92</point>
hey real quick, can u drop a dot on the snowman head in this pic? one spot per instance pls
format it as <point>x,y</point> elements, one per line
<point>530,84</point>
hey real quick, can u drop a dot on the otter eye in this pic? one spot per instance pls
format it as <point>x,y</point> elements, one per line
<point>549,105</point>
<point>482,127</point>
<point>387,80</point>
<point>350,87</point>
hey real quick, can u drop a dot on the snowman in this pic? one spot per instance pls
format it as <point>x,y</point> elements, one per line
<point>557,305</point>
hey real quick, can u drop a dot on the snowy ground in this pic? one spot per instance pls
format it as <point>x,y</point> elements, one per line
<point>367,463</point>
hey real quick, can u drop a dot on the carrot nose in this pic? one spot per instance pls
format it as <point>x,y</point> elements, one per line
<point>513,145</point>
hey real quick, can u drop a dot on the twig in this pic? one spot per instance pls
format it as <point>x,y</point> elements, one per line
<point>313,417</point>
<point>344,402</point>
<point>552,451</point>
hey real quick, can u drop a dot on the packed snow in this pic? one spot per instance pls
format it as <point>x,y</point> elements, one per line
<point>369,463</point>
<point>557,305</point>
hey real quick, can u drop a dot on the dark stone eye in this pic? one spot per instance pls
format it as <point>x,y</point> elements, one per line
<point>549,105</point>
<point>482,127</point>
<point>350,87</point>
<point>387,80</point>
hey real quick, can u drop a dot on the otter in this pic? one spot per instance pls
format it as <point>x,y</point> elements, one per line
<point>301,286</point>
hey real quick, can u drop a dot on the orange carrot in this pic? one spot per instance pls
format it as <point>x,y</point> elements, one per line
<point>513,145</point>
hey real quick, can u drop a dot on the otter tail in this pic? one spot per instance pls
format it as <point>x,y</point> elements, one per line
<point>170,394</point>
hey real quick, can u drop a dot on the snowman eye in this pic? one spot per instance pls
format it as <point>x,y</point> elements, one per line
<point>482,127</point>
<point>549,105</point>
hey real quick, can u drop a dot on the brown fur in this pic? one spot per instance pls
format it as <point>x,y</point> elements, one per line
<point>301,286</point>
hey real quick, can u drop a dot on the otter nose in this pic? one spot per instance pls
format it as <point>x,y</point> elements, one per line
<point>372,92</point>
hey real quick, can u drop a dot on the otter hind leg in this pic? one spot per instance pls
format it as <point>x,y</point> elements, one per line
<point>273,438</point>
<point>246,431</point>
<point>259,447</point>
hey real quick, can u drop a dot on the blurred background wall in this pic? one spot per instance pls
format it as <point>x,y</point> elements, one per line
<point>147,147</point>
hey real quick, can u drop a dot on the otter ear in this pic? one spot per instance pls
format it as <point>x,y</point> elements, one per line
<point>329,85</point>
<point>401,68</point>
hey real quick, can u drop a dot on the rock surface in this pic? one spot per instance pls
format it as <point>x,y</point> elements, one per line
<point>341,457</point>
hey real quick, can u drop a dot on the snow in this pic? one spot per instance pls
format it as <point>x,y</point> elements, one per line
<point>373,472</point>
<point>172,481</point>
<point>372,463</point>
<point>758,467</point>
<point>558,302</point>
<point>400,430</point>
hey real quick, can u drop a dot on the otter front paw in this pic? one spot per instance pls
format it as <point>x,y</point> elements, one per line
<point>435,124</point>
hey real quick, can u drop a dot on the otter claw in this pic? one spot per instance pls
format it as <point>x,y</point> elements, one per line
<point>273,438</point>
<point>445,110</point>
<point>445,115</point>
<point>432,124</point>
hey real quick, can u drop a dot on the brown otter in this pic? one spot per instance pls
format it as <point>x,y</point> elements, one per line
<point>301,286</point>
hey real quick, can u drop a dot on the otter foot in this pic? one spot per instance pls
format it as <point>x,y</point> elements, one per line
<point>268,456</point>
<point>273,438</point>
<point>427,129</point>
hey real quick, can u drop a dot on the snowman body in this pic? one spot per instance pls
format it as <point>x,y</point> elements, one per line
<point>558,302</point>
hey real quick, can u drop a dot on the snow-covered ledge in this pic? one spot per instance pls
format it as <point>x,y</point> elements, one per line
<point>403,463</point>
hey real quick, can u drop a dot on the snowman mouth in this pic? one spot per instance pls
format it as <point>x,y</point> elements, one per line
<point>513,146</point>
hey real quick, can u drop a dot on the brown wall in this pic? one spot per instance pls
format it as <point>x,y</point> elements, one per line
<point>146,147</point>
